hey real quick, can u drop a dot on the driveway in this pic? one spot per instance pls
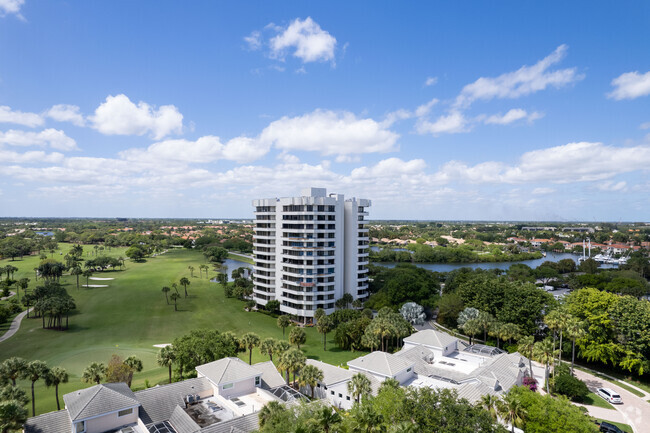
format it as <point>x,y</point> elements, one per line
<point>634,410</point>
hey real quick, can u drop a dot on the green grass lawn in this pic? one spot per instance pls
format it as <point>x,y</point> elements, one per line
<point>593,399</point>
<point>625,427</point>
<point>131,315</point>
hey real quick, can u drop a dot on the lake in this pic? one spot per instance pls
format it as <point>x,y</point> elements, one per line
<point>232,265</point>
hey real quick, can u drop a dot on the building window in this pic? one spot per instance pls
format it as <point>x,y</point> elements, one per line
<point>125,412</point>
<point>258,381</point>
<point>408,370</point>
<point>332,392</point>
<point>340,395</point>
<point>227,386</point>
<point>80,427</point>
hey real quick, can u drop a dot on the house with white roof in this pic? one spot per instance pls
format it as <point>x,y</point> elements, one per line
<point>384,366</point>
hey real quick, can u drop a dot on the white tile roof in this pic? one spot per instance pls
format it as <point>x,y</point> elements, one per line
<point>227,370</point>
<point>99,400</point>
<point>331,373</point>
<point>270,376</point>
<point>381,363</point>
<point>431,338</point>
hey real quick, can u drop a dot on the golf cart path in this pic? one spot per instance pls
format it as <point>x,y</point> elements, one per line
<point>15,325</point>
<point>11,293</point>
<point>635,410</point>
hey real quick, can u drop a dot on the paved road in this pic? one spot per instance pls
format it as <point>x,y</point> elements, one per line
<point>634,410</point>
<point>15,325</point>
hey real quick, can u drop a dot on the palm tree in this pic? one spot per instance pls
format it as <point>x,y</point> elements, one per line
<point>185,282</point>
<point>359,386</point>
<point>496,331</point>
<point>512,411</point>
<point>292,361</point>
<point>11,392</point>
<point>166,290</point>
<point>267,347</point>
<point>12,415</point>
<point>166,358</point>
<point>310,375</point>
<point>191,268</point>
<point>175,287</point>
<point>250,340</point>
<point>76,271</point>
<point>526,346</point>
<point>205,268</point>
<point>319,313</point>
<point>327,417</point>
<point>283,322</point>
<point>297,336</point>
<point>175,297</point>
<point>87,274</point>
<point>575,331</point>
<point>94,373</point>
<point>489,403</point>
<point>22,284</point>
<point>472,327</point>
<point>269,410</point>
<point>484,320</point>
<point>544,352</point>
<point>135,366</point>
<point>56,376</point>
<point>33,371</point>
<point>13,368</point>
<point>557,321</point>
<point>324,325</point>
<point>389,383</point>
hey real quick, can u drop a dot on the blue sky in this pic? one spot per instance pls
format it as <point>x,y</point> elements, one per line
<point>434,110</point>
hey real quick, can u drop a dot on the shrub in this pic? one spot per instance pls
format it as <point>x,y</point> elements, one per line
<point>571,387</point>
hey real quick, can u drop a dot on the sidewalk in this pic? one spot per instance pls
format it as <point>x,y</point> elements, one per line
<point>15,325</point>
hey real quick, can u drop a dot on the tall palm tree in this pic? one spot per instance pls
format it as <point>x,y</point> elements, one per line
<point>324,325</point>
<point>268,347</point>
<point>22,284</point>
<point>185,282</point>
<point>135,366</point>
<point>471,328</point>
<point>496,331</point>
<point>512,411</point>
<point>484,320</point>
<point>489,403</point>
<point>95,372</point>
<point>283,322</point>
<point>166,358</point>
<point>359,386</point>
<point>33,371</point>
<point>13,368</point>
<point>297,336</point>
<point>191,268</point>
<point>12,415</point>
<point>544,352</point>
<point>557,321</point>
<point>389,383</point>
<point>310,375</point>
<point>525,346</point>
<point>56,376</point>
<point>166,290</point>
<point>76,271</point>
<point>250,340</point>
<point>11,392</point>
<point>292,361</point>
<point>575,331</point>
<point>87,274</point>
<point>175,297</point>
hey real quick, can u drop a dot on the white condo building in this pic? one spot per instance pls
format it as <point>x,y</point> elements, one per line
<point>309,251</point>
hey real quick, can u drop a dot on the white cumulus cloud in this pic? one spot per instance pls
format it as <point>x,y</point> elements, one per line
<point>512,116</point>
<point>119,116</point>
<point>523,81</point>
<point>7,115</point>
<point>11,7</point>
<point>254,40</point>
<point>330,133</point>
<point>430,81</point>
<point>630,85</point>
<point>452,123</point>
<point>53,137</point>
<point>306,40</point>
<point>66,113</point>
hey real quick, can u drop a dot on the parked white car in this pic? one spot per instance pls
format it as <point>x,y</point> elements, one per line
<point>610,395</point>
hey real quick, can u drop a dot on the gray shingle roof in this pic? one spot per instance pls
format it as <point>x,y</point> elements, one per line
<point>52,422</point>
<point>158,403</point>
<point>503,368</point>
<point>431,338</point>
<point>331,373</point>
<point>182,422</point>
<point>270,376</point>
<point>382,363</point>
<point>243,424</point>
<point>99,400</point>
<point>227,370</point>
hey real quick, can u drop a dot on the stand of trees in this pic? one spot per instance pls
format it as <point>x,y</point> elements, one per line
<point>52,303</point>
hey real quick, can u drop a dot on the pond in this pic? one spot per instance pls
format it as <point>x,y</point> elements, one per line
<point>232,265</point>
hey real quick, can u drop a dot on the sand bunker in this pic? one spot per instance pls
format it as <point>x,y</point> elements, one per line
<point>94,285</point>
<point>101,279</point>
<point>162,345</point>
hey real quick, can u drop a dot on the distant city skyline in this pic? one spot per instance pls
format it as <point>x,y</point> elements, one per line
<point>514,111</point>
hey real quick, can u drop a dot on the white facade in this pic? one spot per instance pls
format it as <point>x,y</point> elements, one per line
<point>309,251</point>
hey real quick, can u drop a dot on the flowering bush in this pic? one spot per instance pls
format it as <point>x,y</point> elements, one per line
<point>530,383</point>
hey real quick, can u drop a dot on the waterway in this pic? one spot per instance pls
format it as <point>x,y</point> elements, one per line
<point>232,265</point>
<point>446,267</point>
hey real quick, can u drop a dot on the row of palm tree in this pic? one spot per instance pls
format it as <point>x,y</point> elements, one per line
<point>16,368</point>
<point>175,296</point>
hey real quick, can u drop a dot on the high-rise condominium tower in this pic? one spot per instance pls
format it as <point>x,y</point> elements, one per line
<point>309,251</point>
